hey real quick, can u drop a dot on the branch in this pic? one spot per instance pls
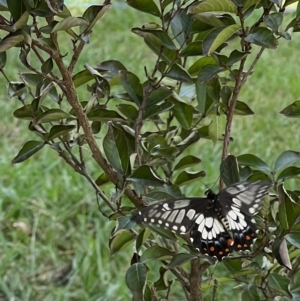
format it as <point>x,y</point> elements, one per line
<point>195,276</point>
<point>69,90</point>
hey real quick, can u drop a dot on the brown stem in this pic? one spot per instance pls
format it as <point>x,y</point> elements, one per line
<point>195,292</point>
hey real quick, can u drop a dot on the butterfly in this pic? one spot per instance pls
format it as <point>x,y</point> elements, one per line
<point>210,220</point>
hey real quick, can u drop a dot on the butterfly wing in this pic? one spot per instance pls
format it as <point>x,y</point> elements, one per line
<point>177,215</point>
<point>238,203</point>
<point>209,235</point>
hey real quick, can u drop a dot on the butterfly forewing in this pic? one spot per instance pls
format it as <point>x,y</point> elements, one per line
<point>177,215</point>
<point>209,220</point>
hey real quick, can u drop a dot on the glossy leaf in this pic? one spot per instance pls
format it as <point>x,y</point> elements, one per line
<point>252,160</point>
<point>156,253</point>
<point>47,66</point>
<point>129,111</point>
<point>183,113</point>
<point>116,150</point>
<point>2,59</point>
<point>105,116</point>
<point>279,283</point>
<point>201,95</point>
<point>187,161</point>
<point>180,259</point>
<point>292,110</point>
<point>208,72</point>
<point>199,64</point>
<point>102,179</point>
<point>163,232</point>
<point>132,85</point>
<point>158,95</point>
<point>158,109</point>
<point>144,175</point>
<point>273,21</point>
<point>216,128</point>
<point>146,6</point>
<point>286,213</point>
<point>92,15</point>
<point>29,149</point>
<point>289,172</point>
<point>229,170</point>
<point>250,293</point>
<point>60,130</point>
<point>219,6</point>
<point>281,253</point>
<point>68,23</point>
<point>135,278</point>
<point>157,36</point>
<point>217,37</point>
<point>242,108</point>
<point>162,283</point>
<point>177,72</point>
<point>262,37</point>
<point>142,237</point>
<point>294,239</point>
<point>285,159</point>
<point>50,116</point>
<point>120,240</point>
<point>194,48</point>
<point>124,222</point>
<point>186,177</point>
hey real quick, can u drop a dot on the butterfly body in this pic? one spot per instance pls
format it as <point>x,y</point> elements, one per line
<point>210,220</point>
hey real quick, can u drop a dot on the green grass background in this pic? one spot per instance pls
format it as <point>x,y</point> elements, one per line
<point>45,198</point>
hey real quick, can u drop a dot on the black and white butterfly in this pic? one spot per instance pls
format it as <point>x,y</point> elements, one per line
<point>209,220</point>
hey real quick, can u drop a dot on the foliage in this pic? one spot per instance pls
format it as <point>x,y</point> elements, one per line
<point>147,126</point>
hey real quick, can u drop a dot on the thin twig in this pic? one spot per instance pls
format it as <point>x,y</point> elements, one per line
<point>196,294</point>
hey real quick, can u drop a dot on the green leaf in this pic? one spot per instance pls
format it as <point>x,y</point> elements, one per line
<point>105,116</point>
<point>208,72</point>
<point>11,40</point>
<point>216,128</point>
<point>199,64</point>
<point>180,259</point>
<point>177,72</point>
<point>229,170</point>
<point>132,86</point>
<point>68,23</point>
<point>263,37</point>
<point>236,56</point>
<point>116,149</point>
<point>251,160</point>
<point>129,111</point>
<point>17,90</point>
<point>217,37</point>
<point>156,253</point>
<point>92,15</point>
<point>289,172</point>
<point>292,110</point>
<point>279,283</point>
<point>158,109</point>
<point>82,77</point>
<point>201,95</point>
<point>60,130</point>
<point>47,66</point>
<point>163,232</point>
<point>156,36</point>
<point>146,6</point>
<point>187,161</point>
<point>250,293</point>
<point>120,240</point>
<point>162,283</point>
<point>135,278</point>
<point>186,177</point>
<point>124,222</point>
<point>102,179</point>
<point>294,239</point>
<point>158,95</point>
<point>144,175</point>
<point>2,59</point>
<point>242,108</point>
<point>286,213</point>
<point>194,48</point>
<point>158,193</point>
<point>142,237</point>
<point>28,150</point>
<point>183,113</point>
<point>285,159</point>
<point>281,253</point>
<point>15,9</point>
<point>273,21</point>
<point>50,116</point>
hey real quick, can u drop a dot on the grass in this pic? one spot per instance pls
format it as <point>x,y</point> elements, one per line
<point>53,239</point>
